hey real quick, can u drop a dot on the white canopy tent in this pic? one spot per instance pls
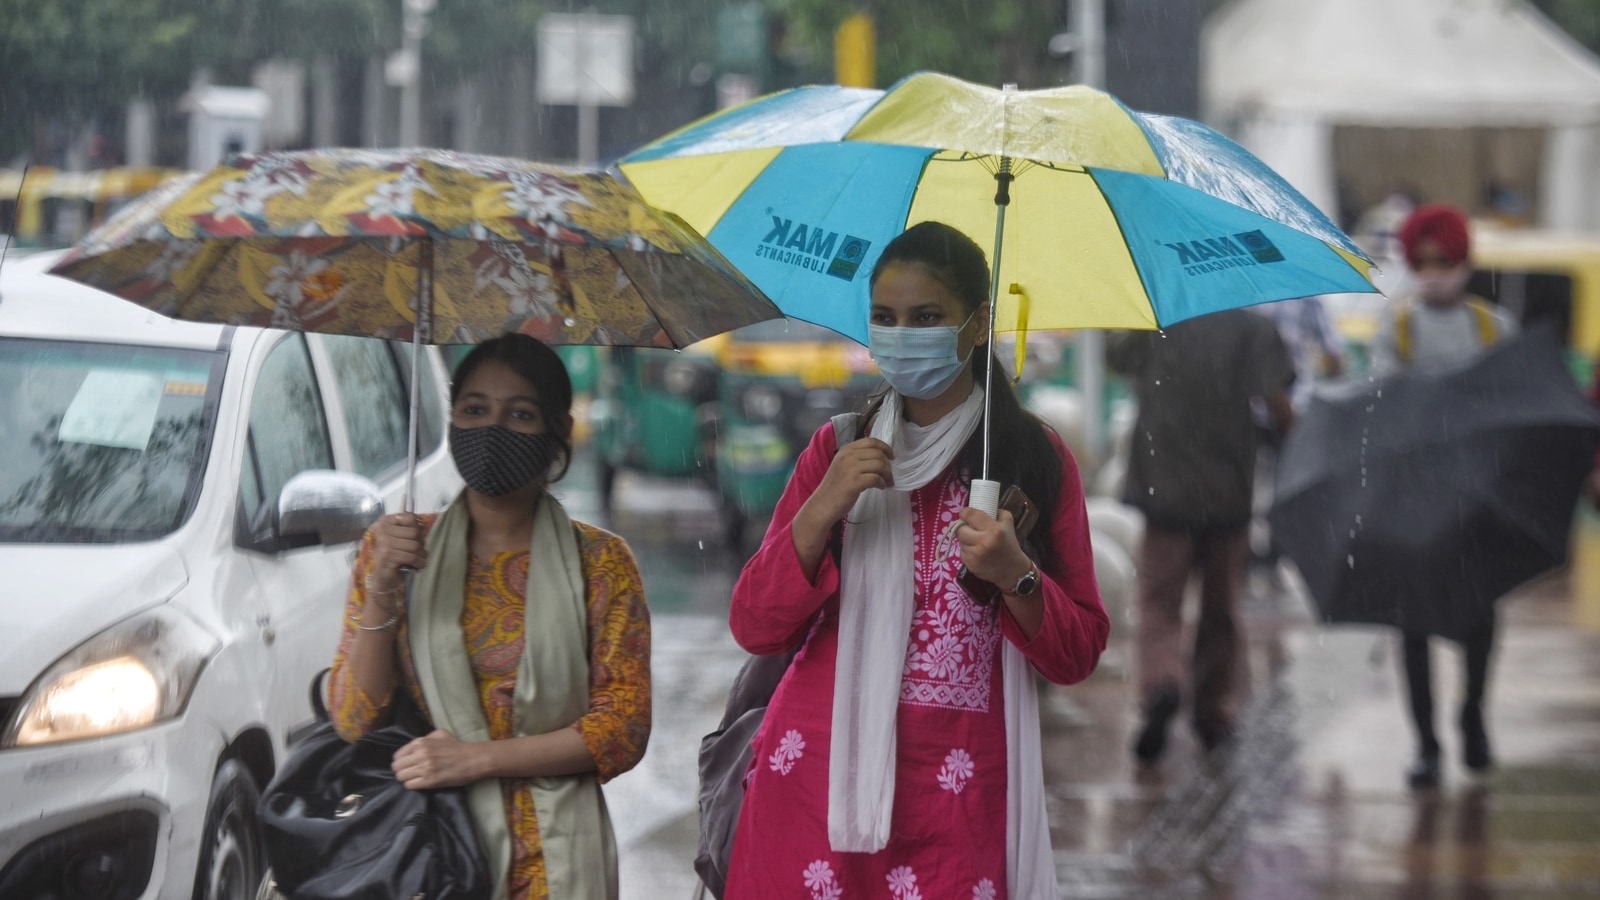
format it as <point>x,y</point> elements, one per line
<point>1280,75</point>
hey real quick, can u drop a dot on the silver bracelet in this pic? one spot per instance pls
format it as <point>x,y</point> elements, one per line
<point>394,619</point>
<point>372,591</point>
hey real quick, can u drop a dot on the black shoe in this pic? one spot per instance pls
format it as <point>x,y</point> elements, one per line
<point>1158,714</point>
<point>1475,740</point>
<point>1423,773</point>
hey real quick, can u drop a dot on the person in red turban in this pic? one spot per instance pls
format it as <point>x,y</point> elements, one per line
<point>1437,324</point>
<point>1436,233</point>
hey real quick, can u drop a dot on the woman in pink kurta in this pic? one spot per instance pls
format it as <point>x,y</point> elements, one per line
<point>948,829</point>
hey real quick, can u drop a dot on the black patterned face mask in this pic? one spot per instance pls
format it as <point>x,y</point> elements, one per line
<point>494,460</point>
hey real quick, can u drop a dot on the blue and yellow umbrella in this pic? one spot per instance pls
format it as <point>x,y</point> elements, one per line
<point>1098,216</point>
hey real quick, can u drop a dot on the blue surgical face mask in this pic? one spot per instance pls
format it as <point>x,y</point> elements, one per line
<point>920,363</point>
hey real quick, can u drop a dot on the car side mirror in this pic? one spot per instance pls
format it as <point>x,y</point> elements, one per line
<point>332,507</point>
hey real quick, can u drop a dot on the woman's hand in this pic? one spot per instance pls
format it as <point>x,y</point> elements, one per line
<point>396,542</point>
<point>857,467</point>
<point>989,548</point>
<point>436,760</point>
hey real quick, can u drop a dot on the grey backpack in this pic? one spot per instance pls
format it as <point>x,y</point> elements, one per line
<point>725,754</point>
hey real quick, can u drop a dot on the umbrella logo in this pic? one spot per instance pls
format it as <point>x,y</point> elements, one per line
<point>852,253</point>
<point>1262,249</point>
<point>812,247</point>
<point>1248,248</point>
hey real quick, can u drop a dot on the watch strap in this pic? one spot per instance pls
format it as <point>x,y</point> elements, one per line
<point>1027,583</point>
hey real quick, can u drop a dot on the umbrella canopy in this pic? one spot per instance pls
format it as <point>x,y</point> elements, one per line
<point>347,241</point>
<point>1117,219</point>
<point>1419,500</point>
<point>426,245</point>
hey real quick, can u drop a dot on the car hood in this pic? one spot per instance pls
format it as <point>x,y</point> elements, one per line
<point>53,598</point>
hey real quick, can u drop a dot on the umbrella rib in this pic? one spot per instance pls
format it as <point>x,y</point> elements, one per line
<point>1123,232</point>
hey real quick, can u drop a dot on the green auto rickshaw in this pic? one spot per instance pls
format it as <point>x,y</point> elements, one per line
<point>781,380</point>
<point>654,413</point>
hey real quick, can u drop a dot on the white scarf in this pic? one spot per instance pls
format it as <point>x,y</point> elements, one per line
<point>876,603</point>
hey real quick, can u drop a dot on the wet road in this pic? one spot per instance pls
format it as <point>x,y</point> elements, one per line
<point>1310,802</point>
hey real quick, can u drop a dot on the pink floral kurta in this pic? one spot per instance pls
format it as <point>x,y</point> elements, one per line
<point>948,833</point>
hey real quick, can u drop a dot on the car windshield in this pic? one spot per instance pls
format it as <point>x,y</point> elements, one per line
<point>786,331</point>
<point>101,442</point>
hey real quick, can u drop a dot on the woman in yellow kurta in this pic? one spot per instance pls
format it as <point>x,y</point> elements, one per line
<point>506,587</point>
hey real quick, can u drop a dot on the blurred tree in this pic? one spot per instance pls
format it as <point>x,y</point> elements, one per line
<point>66,62</point>
<point>305,29</point>
<point>1580,18</point>
<point>684,31</point>
<point>987,42</point>
<point>75,57</point>
<point>472,36</point>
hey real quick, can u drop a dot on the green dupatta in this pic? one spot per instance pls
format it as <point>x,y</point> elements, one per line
<point>552,692</point>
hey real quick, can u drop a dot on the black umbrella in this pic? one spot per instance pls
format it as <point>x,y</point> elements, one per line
<point>1417,501</point>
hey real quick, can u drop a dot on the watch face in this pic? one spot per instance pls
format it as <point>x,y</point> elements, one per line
<point>1026,584</point>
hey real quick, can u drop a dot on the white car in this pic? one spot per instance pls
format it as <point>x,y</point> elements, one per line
<point>160,619</point>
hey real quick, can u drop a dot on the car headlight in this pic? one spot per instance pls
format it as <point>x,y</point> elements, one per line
<point>133,674</point>
<point>761,403</point>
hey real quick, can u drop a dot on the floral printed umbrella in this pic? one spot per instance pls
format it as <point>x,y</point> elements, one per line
<point>349,241</point>
<point>424,245</point>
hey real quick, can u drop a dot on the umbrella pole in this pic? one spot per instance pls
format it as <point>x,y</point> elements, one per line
<point>984,494</point>
<point>423,323</point>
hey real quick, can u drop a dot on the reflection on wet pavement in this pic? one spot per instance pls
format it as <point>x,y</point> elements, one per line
<point>1309,800</point>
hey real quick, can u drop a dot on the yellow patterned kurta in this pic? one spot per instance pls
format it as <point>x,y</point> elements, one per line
<point>617,725</point>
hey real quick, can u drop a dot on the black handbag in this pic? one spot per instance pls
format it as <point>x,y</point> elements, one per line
<point>337,825</point>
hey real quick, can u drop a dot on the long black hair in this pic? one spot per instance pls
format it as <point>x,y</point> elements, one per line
<point>540,366</point>
<point>1021,453</point>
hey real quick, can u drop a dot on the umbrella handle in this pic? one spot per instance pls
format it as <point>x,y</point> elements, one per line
<point>423,323</point>
<point>985,495</point>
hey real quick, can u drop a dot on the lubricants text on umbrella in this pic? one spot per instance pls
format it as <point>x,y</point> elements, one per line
<point>812,247</point>
<point>1219,253</point>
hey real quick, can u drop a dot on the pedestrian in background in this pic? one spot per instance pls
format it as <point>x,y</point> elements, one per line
<point>1191,472</point>
<point>1318,355</point>
<point>905,737</point>
<point>1437,325</point>
<point>526,640</point>
<point>1315,347</point>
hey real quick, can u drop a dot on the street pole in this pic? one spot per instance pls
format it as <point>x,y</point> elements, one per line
<point>1090,26</point>
<point>414,24</point>
<point>588,111</point>
<point>588,133</point>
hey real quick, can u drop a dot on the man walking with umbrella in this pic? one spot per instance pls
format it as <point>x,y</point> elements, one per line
<point>1438,326</point>
<point>1191,472</point>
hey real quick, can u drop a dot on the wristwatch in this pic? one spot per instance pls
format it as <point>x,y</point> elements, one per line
<point>1028,583</point>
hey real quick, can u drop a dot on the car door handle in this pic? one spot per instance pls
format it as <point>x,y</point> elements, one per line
<point>268,635</point>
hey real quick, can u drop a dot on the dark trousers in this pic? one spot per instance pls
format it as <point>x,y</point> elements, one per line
<point>1166,561</point>
<point>1475,648</point>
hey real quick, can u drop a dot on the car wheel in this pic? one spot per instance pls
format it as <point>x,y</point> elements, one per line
<point>231,861</point>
